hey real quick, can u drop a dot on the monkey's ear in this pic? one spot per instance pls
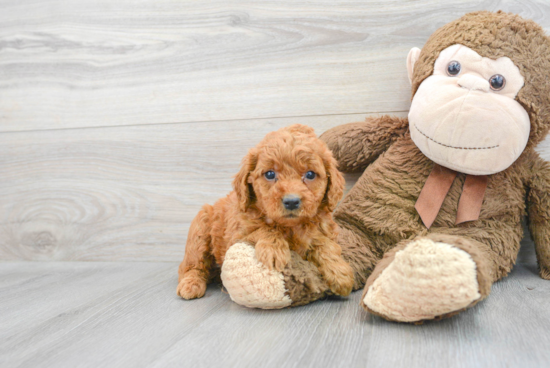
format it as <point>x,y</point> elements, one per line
<point>413,56</point>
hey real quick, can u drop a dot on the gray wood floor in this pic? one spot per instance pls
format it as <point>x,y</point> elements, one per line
<point>119,119</point>
<point>124,314</point>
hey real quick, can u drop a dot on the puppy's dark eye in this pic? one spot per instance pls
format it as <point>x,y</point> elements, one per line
<point>270,175</point>
<point>453,68</point>
<point>497,82</point>
<point>310,175</point>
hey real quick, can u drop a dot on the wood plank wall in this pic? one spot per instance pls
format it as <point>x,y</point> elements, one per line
<point>118,120</point>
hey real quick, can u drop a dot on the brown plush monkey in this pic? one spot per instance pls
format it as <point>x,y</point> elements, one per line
<point>435,218</point>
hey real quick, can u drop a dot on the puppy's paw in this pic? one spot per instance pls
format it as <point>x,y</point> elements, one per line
<point>271,256</point>
<point>191,287</point>
<point>339,278</point>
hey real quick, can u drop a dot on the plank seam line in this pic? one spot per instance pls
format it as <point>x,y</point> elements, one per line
<point>198,122</point>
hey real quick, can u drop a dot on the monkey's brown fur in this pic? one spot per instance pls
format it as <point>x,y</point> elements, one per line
<point>254,213</point>
<point>377,218</point>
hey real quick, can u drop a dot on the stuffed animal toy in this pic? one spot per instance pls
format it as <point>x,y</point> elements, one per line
<point>435,218</point>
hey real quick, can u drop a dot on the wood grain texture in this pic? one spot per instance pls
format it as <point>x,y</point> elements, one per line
<point>66,64</point>
<point>128,315</point>
<point>120,193</point>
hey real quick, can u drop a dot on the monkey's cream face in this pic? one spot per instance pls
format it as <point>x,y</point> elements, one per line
<point>464,116</point>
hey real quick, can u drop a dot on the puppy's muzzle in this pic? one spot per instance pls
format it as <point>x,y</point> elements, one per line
<point>292,202</point>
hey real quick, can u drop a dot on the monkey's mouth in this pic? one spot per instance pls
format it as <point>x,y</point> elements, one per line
<point>290,216</point>
<point>448,146</point>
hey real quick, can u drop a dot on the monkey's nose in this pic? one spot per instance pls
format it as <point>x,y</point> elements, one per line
<point>473,83</point>
<point>291,202</point>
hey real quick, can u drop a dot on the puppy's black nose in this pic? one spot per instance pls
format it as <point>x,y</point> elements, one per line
<point>291,202</point>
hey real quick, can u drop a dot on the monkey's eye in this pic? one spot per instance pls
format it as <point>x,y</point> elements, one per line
<point>270,175</point>
<point>497,82</point>
<point>453,68</point>
<point>310,175</point>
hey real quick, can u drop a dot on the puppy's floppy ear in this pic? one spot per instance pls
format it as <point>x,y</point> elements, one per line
<point>245,193</point>
<point>335,182</point>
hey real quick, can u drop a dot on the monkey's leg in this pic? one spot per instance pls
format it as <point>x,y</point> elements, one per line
<point>430,277</point>
<point>359,252</point>
<point>251,284</point>
<point>194,270</point>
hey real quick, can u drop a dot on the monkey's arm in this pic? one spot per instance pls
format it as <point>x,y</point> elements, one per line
<point>538,204</point>
<point>356,145</point>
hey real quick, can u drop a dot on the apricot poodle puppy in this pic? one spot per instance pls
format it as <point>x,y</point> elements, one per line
<point>283,199</point>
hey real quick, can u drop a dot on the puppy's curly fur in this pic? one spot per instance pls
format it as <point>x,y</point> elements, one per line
<point>256,212</point>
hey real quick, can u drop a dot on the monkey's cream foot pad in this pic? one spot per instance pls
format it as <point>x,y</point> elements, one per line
<point>425,280</point>
<point>250,283</point>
